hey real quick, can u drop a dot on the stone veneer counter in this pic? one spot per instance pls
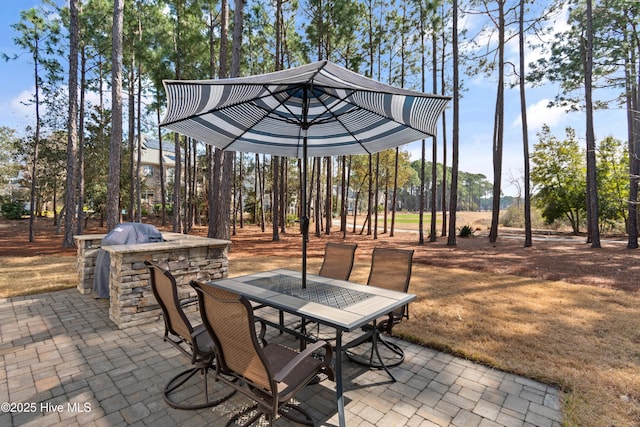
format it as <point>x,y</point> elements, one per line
<point>131,299</point>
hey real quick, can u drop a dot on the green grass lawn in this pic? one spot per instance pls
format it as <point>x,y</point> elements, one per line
<point>414,218</point>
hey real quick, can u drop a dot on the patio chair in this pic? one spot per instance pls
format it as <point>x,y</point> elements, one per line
<point>338,261</point>
<point>193,342</point>
<point>390,269</point>
<point>269,374</point>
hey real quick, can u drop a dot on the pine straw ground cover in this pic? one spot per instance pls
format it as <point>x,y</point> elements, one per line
<point>570,333</point>
<point>583,339</point>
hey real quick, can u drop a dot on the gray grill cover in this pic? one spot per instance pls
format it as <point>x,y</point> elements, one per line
<point>124,234</point>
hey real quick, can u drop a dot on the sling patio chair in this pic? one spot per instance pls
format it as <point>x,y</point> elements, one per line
<point>193,342</point>
<point>338,261</point>
<point>390,269</point>
<point>269,374</point>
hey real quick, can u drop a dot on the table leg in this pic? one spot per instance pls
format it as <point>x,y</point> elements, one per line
<point>338,369</point>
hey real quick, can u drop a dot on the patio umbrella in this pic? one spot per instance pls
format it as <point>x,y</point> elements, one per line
<point>314,110</point>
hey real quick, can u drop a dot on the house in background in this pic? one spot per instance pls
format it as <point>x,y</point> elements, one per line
<point>150,170</point>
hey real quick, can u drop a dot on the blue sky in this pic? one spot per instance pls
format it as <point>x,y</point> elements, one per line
<point>16,75</point>
<point>476,110</point>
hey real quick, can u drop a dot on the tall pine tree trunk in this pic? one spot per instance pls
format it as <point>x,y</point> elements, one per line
<point>525,133</point>
<point>132,143</point>
<point>444,141</point>
<point>592,185</point>
<point>394,199</point>
<point>80,163</point>
<point>115,146</point>
<point>498,128</point>
<point>434,147</point>
<point>633,120</point>
<point>71,218</point>
<point>453,194</point>
<point>329,197</point>
<point>275,205</point>
<point>163,196</point>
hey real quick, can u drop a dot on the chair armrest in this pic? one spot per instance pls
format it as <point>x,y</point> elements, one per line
<point>312,348</point>
<point>391,320</point>
<point>263,331</point>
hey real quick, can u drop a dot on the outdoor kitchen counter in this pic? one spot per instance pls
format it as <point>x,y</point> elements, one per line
<point>171,240</point>
<point>131,300</point>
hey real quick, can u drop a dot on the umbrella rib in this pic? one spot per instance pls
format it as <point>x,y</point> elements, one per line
<point>344,99</point>
<point>281,103</point>
<point>337,118</point>
<point>267,113</point>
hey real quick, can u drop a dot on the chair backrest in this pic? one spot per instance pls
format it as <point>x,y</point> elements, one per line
<point>391,269</point>
<point>338,261</point>
<point>229,320</point>
<point>165,289</point>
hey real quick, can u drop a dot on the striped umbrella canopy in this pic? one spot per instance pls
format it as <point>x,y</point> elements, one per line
<point>338,111</point>
<point>314,110</point>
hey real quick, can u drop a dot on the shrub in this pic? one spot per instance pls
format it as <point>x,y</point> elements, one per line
<point>157,209</point>
<point>466,231</point>
<point>514,217</point>
<point>291,219</point>
<point>13,210</point>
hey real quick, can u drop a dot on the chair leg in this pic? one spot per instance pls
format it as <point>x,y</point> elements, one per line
<point>372,358</point>
<point>374,346</point>
<point>245,412</point>
<point>286,410</point>
<point>182,378</point>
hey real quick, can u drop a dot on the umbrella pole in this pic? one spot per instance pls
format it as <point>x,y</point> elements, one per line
<point>304,221</point>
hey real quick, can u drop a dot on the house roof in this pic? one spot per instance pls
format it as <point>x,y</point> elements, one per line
<point>150,152</point>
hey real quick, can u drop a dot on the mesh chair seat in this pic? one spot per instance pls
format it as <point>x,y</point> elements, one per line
<point>269,374</point>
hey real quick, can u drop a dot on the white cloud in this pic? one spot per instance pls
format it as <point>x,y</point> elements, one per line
<point>540,114</point>
<point>18,112</point>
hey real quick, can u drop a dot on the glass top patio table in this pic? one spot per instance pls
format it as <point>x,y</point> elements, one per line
<point>344,306</point>
<point>322,293</point>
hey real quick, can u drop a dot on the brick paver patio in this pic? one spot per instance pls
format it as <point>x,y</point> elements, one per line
<point>65,363</point>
